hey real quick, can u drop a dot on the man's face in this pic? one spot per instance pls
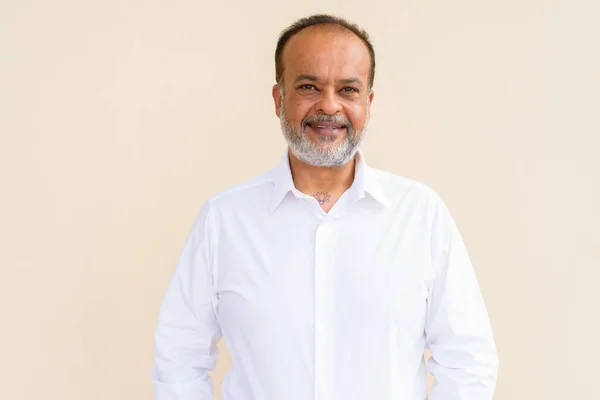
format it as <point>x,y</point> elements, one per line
<point>324,104</point>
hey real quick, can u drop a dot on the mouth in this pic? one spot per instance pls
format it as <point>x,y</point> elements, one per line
<point>327,129</point>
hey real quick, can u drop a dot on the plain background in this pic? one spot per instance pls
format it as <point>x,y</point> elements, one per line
<point>118,119</point>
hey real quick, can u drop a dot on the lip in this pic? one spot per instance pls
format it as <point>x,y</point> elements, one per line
<point>327,130</point>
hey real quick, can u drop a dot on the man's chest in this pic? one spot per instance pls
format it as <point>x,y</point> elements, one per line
<point>360,270</point>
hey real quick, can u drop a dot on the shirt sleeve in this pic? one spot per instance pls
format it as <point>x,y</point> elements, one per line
<point>188,330</point>
<point>464,359</point>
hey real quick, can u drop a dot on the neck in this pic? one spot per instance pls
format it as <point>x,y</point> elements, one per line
<point>312,180</point>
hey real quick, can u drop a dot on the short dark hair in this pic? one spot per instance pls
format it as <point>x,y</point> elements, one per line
<point>321,19</point>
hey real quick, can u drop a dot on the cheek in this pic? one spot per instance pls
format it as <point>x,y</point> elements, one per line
<point>297,110</point>
<point>358,116</point>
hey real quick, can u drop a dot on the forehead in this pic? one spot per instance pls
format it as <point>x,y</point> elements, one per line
<point>326,52</point>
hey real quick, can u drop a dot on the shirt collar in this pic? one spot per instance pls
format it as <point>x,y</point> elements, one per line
<point>364,182</point>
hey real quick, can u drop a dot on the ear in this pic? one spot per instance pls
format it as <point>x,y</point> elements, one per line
<point>277,99</point>
<point>369,101</point>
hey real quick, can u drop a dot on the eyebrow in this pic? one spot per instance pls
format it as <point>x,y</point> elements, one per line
<point>351,81</point>
<point>312,78</point>
<point>305,77</point>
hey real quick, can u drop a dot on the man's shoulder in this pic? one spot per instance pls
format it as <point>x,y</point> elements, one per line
<point>399,187</point>
<point>251,189</point>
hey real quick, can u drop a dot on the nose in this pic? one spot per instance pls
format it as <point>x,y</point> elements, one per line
<point>329,102</point>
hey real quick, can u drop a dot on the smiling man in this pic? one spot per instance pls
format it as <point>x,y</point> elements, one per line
<point>327,278</point>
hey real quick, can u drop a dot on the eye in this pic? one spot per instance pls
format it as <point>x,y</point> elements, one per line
<point>307,87</point>
<point>349,89</point>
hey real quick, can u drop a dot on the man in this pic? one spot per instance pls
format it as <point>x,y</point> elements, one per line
<point>326,278</point>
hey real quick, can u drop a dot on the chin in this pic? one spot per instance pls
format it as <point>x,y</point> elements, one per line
<point>327,140</point>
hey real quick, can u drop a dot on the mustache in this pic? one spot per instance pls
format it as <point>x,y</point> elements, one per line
<point>324,118</point>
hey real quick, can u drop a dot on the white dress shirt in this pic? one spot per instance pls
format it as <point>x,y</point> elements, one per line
<point>325,306</point>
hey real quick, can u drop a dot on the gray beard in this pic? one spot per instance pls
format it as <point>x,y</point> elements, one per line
<point>324,153</point>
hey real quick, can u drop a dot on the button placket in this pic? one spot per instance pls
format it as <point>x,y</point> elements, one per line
<point>324,303</point>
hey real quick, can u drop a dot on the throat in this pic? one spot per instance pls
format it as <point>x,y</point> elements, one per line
<point>322,197</point>
<point>326,185</point>
<point>326,200</point>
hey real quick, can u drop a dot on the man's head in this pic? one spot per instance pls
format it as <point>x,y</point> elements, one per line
<point>325,68</point>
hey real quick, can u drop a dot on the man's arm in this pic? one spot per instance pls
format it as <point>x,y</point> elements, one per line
<point>187,329</point>
<point>464,360</point>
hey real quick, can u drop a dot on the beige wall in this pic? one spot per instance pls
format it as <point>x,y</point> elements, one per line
<point>118,119</point>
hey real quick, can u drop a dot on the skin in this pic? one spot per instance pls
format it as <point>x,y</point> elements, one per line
<point>326,71</point>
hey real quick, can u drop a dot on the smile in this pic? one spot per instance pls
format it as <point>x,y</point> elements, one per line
<point>327,130</point>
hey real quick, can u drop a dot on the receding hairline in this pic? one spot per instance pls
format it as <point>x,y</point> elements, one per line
<point>328,22</point>
<point>328,27</point>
